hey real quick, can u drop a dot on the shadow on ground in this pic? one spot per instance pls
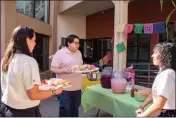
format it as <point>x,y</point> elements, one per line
<point>49,108</point>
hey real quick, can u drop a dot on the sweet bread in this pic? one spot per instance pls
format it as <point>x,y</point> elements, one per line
<point>84,67</point>
<point>143,92</point>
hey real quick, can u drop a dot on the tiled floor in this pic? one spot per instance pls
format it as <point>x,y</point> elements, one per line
<point>49,108</point>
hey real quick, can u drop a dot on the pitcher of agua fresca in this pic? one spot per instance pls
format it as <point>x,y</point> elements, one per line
<point>118,82</point>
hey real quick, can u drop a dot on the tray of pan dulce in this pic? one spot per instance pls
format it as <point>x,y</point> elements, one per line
<point>86,68</point>
<point>54,83</point>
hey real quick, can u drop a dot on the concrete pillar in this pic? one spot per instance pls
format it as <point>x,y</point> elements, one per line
<point>121,17</point>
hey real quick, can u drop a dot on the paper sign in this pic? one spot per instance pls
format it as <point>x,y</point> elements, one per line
<point>138,28</point>
<point>105,59</point>
<point>120,27</point>
<point>148,28</point>
<point>100,62</point>
<point>96,64</point>
<point>120,47</point>
<point>109,56</point>
<point>159,27</point>
<point>128,29</point>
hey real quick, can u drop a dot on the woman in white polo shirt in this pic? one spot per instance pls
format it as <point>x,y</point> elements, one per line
<point>20,77</point>
<point>163,89</point>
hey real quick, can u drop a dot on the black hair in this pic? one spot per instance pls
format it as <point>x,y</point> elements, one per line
<point>17,42</point>
<point>70,39</point>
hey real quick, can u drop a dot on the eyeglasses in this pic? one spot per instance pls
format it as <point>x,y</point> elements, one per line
<point>77,43</point>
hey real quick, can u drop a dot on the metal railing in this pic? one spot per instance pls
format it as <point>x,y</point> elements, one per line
<point>26,8</point>
<point>145,73</point>
<point>39,11</point>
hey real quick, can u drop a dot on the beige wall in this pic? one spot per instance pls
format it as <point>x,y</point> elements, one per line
<point>13,19</point>
<point>38,26</point>
<point>64,5</point>
<point>70,24</point>
<point>2,28</point>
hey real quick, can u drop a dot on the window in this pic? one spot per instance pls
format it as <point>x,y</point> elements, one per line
<point>94,49</point>
<point>38,9</point>
<point>41,51</point>
<point>138,55</point>
<point>138,48</point>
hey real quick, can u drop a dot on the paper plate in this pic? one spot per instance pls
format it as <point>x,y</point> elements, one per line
<point>87,71</point>
<point>46,86</point>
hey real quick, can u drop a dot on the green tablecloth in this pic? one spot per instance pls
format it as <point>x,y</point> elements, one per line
<point>105,99</point>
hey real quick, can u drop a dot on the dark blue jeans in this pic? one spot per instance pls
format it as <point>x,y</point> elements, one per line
<point>69,103</point>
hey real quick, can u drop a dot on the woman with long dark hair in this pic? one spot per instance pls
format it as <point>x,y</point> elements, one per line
<point>20,79</point>
<point>163,89</point>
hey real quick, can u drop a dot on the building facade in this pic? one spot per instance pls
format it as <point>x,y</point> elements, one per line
<point>54,20</point>
<point>99,19</point>
<point>42,17</point>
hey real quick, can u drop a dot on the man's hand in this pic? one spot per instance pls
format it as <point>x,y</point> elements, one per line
<point>68,71</point>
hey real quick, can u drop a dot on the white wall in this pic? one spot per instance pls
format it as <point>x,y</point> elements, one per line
<point>64,5</point>
<point>70,24</point>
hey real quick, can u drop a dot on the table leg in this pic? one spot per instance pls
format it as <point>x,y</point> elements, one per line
<point>98,112</point>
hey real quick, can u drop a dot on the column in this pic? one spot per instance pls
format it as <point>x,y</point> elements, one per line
<point>121,17</point>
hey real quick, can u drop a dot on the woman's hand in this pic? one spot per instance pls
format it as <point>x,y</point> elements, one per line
<point>140,115</point>
<point>58,90</point>
<point>139,111</point>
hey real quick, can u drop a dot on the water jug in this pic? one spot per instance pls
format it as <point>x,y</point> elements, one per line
<point>118,82</point>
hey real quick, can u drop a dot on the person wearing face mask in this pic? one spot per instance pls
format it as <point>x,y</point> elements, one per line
<point>62,62</point>
<point>20,78</point>
<point>163,89</point>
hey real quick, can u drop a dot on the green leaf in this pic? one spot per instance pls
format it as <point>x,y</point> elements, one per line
<point>167,21</point>
<point>161,3</point>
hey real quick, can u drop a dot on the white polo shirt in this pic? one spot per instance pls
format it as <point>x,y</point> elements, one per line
<point>164,85</point>
<point>64,59</point>
<point>22,74</point>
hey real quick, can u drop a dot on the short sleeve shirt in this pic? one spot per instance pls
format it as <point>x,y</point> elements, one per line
<point>164,85</point>
<point>22,75</point>
<point>64,59</point>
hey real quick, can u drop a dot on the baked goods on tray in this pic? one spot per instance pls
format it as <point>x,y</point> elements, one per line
<point>84,68</point>
<point>54,83</point>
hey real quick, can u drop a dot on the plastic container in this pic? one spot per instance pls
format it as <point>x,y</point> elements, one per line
<point>118,82</point>
<point>105,80</point>
<point>140,97</point>
<point>93,76</point>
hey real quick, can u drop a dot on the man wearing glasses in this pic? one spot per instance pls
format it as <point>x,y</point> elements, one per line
<point>62,62</point>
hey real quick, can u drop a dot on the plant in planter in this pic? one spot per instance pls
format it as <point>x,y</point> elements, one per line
<point>168,19</point>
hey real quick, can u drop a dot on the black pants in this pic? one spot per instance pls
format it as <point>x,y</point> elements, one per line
<point>29,112</point>
<point>167,113</point>
<point>69,103</point>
